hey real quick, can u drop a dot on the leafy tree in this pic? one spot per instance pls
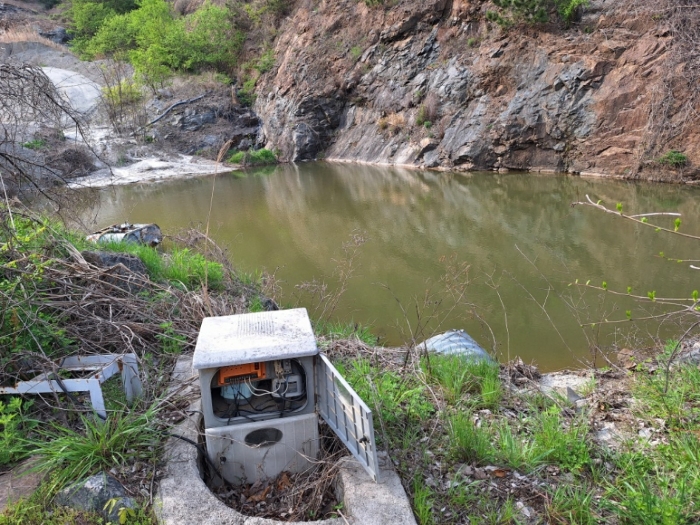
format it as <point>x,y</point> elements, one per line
<point>157,41</point>
<point>89,16</point>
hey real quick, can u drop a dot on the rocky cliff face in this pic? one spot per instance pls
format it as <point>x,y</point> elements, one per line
<point>431,83</point>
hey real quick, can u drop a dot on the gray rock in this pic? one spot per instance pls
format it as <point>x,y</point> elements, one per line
<point>691,356</point>
<point>59,35</point>
<point>317,119</point>
<point>96,494</point>
<point>126,271</point>
<point>194,122</point>
<point>109,260</point>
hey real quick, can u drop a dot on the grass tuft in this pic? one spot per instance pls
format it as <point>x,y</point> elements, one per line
<point>252,157</point>
<point>339,330</point>
<point>458,375</point>
<point>469,442</point>
<point>71,455</point>
<point>180,266</point>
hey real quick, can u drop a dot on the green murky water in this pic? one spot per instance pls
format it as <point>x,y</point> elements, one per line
<point>523,242</point>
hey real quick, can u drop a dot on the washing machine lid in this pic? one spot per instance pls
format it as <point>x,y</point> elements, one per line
<point>348,416</point>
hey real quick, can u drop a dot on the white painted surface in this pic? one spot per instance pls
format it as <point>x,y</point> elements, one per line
<point>247,338</point>
<point>241,463</point>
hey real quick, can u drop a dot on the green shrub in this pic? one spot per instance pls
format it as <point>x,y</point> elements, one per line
<point>533,11</point>
<point>35,144</point>
<point>155,40</point>
<point>13,427</point>
<point>237,157</point>
<point>27,327</point>
<point>266,62</point>
<point>567,9</point>
<point>172,342</point>
<point>673,158</point>
<point>210,39</point>
<point>251,157</point>
<point>421,116</point>
<point>88,16</point>
<point>355,52</point>
<point>246,95</point>
<point>123,93</point>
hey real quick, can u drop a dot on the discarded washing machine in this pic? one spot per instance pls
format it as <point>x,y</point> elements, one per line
<point>264,384</point>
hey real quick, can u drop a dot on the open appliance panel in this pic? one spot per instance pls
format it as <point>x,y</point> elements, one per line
<point>276,389</point>
<point>262,383</point>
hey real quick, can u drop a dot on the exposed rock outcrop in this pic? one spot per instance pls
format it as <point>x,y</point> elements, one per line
<point>205,126</point>
<point>430,83</point>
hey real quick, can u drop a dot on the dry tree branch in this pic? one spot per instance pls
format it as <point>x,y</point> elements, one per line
<point>31,107</point>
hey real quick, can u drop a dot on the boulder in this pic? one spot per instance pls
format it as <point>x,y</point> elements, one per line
<point>59,35</point>
<point>126,271</point>
<point>101,494</point>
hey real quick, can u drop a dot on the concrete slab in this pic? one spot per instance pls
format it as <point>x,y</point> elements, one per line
<point>183,497</point>
<point>370,503</point>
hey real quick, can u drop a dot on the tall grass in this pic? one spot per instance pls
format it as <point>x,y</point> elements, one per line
<point>341,330</point>
<point>518,451</point>
<point>423,502</point>
<point>70,455</point>
<point>458,375</point>
<point>469,442</point>
<point>180,266</point>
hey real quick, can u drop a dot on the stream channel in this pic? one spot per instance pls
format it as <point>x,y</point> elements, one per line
<point>523,242</point>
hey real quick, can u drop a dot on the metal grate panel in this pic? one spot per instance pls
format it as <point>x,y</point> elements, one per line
<point>348,416</point>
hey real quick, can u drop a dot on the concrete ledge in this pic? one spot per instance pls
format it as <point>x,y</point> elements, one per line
<point>183,497</point>
<point>370,503</point>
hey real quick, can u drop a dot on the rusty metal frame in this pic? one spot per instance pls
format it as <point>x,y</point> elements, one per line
<point>103,367</point>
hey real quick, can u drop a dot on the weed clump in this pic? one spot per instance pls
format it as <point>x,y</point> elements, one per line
<point>428,111</point>
<point>513,12</point>
<point>393,123</point>
<point>252,157</point>
<point>13,426</point>
<point>465,457</point>
<point>673,159</point>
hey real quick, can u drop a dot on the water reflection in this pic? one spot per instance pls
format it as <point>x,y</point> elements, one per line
<point>519,234</point>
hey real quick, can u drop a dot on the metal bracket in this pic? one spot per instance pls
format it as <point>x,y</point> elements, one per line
<point>103,367</point>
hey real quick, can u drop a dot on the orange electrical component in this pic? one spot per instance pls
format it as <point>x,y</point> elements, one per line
<point>237,373</point>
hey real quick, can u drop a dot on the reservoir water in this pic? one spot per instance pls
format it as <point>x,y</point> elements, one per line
<point>495,254</point>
